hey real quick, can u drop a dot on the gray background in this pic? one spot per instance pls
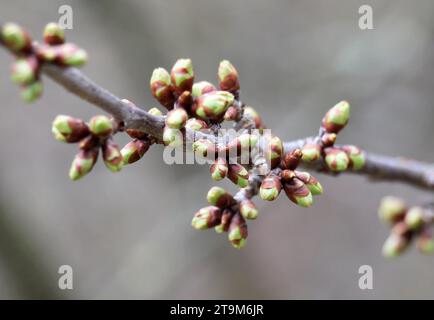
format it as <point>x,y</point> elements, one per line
<point>128,235</point>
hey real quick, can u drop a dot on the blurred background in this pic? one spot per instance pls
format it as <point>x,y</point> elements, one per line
<point>128,235</point>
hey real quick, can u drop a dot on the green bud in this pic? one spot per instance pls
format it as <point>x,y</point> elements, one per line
<point>70,55</point>
<point>204,148</point>
<point>238,175</point>
<point>69,129</point>
<point>270,188</point>
<point>176,118</point>
<point>394,245</point>
<point>251,114</point>
<point>311,152</point>
<point>201,88</point>
<point>298,192</point>
<point>155,112</point>
<point>54,34</point>
<point>24,70</point>
<point>291,160</point>
<point>32,91</point>
<point>213,105</point>
<point>392,209</point>
<point>336,159</point>
<point>414,218</point>
<point>356,155</point>
<point>425,243</point>
<point>182,75</point>
<point>134,150</point>
<point>195,124</point>
<point>274,151</point>
<point>15,37</point>
<point>83,163</point>
<point>248,209</point>
<point>219,169</point>
<point>238,231</point>
<point>310,181</point>
<point>337,117</point>
<point>219,197</point>
<point>161,87</point>
<point>172,137</point>
<point>228,77</point>
<point>112,156</point>
<point>206,218</point>
<point>101,126</point>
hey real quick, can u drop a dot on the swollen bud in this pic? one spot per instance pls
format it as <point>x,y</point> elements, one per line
<point>195,124</point>
<point>172,137</point>
<point>356,155</point>
<point>24,70</point>
<point>161,87</point>
<point>112,156</point>
<point>69,129</point>
<point>425,243</point>
<point>292,159</point>
<point>206,218</point>
<point>15,37</point>
<point>337,117</point>
<point>201,88</point>
<point>238,175</point>
<point>270,188</point>
<point>248,209</point>
<point>155,112</point>
<point>101,126</point>
<point>219,169</point>
<point>238,231</point>
<point>231,114</point>
<point>414,218</point>
<point>394,245</point>
<point>311,152</point>
<point>83,163</point>
<point>54,34</point>
<point>228,77</point>
<point>336,159</point>
<point>182,75</point>
<point>176,118</point>
<point>310,181</point>
<point>274,151</point>
<point>251,114</point>
<point>31,92</point>
<point>298,192</point>
<point>213,105</point>
<point>218,196</point>
<point>391,209</point>
<point>69,54</point>
<point>134,150</point>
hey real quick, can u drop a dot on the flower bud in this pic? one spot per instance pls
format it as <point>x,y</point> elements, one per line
<point>206,218</point>
<point>310,181</point>
<point>414,218</point>
<point>185,100</point>
<point>251,114</point>
<point>425,243</point>
<point>182,75</point>
<point>32,91</point>
<point>248,209</point>
<point>336,159</point>
<point>83,163</point>
<point>391,209</point>
<point>70,55</point>
<point>226,218</point>
<point>161,88</point>
<point>238,175</point>
<point>195,124</point>
<point>337,117</point>
<point>356,155</point>
<point>219,169</point>
<point>292,159</point>
<point>228,77</point>
<point>238,231</point>
<point>134,150</point>
<point>176,118</point>
<point>298,192</point>
<point>173,137</point>
<point>201,88</point>
<point>54,34</point>
<point>15,37</point>
<point>274,151</point>
<point>204,148</point>
<point>231,114</point>
<point>311,152</point>
<point>218,196</point>
<point>270,188</point>
<point>69,129</point>
<point>24,70</point>
<point>213,105</point>
<point>155,112</point>
<point>112,156</point>
<point>394,245</point>
<point>101,126</point>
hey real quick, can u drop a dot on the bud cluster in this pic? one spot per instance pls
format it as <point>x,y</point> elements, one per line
<point>25,71</point>
<point>225,214</point>
<point>336,158</point>
<point>407,223</point>
<point>91,137</point>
